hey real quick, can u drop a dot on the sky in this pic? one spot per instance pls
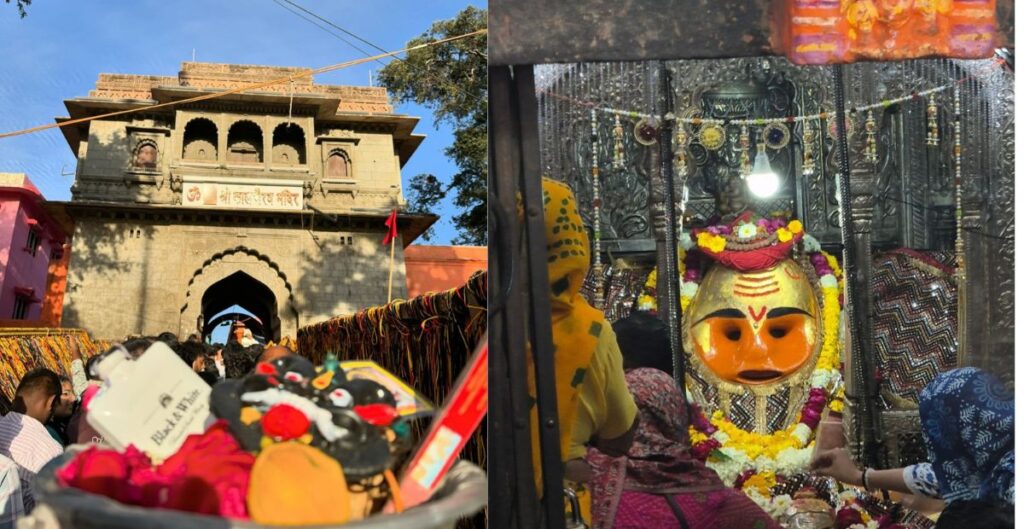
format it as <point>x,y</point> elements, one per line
<point>58,51</point>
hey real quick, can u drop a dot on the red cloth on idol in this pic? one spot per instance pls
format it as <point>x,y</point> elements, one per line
<point>208,475</point>
<point>753,260</point>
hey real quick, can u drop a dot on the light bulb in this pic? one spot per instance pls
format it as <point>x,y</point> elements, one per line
<point>762,180</point>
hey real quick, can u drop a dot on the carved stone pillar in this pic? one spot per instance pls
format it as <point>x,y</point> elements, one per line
<point>861,386</point>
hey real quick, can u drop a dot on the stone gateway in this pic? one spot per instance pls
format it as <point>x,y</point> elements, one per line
<point>273,200</point>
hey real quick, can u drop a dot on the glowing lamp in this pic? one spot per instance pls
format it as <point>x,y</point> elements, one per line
<point>762,180</point>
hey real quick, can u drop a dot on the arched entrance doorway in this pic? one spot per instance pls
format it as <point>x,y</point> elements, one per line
<point>242,290</point>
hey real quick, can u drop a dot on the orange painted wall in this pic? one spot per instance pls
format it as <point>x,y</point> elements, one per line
<point>56,282</point>
<point>437,268</point>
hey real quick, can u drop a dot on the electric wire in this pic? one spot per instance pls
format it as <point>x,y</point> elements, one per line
<point>253,86</point>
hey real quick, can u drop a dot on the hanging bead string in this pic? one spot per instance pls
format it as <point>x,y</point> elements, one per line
<point>870,150</point>
<point>619,159</point>
<point>808,148</point>
<point>932,140</point>
<point>996,65</point>
<point>595,173</point>
<point>744,151</point>
<point>758,122</point>
<point>682,140</point>
<point>957,173</point>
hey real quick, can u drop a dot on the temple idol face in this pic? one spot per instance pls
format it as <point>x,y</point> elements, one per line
<point>755,327</point>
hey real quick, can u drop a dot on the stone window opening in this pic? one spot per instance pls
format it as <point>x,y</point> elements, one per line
<point>21,304</point>
<point>200,140</point>
<point>145,155</point>
<point>32,244</point>
<point>289,145</point>
<point>245,142</point>
<point>339,165</point>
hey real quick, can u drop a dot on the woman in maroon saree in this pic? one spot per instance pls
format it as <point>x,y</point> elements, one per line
<point>658,484</point>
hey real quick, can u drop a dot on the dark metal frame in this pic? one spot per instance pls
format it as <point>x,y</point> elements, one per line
<point>520,312</point>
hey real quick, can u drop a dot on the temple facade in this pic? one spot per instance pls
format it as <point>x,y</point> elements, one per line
<point>272,199</point>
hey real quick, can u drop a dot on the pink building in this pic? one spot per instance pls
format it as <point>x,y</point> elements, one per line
<point>29,239</point>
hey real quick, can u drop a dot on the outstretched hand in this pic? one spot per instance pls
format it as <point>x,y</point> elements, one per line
<point>76,354</point>
<point>838,464</point>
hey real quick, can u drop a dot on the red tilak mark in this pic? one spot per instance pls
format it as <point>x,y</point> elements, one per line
<point>753,279</point>
<point>790,273</point>
<point>755,294</point>
<point>756,287</point>
<point>757,317</point>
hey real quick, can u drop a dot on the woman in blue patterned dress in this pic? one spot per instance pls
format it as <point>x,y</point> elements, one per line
<point>967,419</point>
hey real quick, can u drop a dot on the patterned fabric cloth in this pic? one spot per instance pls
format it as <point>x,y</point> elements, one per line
<point>967,417</point>
<point>630,491</point>
<point>79,380</point>
<point>718,509</point>
<point>12,504</point>
<point>26,441</point>
<point>921,480</point>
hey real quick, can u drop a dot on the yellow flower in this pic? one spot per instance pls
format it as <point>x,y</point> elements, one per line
<point>716,244</point>
<point>833,263</point>
<point>762,482</point>
<point>704,239</point>
<point>829,358</point>
<point>795,226</point>
<point>652,279</point>
<point>784,235</point>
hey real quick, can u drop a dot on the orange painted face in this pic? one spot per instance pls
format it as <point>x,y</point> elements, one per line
<point>755,328</point>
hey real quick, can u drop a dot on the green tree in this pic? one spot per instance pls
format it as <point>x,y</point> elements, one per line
<point>451,79</point>
<point>21,6</point>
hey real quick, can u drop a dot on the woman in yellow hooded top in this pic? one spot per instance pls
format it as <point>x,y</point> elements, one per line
<point>594,406</point>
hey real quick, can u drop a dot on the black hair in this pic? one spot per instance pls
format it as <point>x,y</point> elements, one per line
<point>39,380</point>
<point>237,361</point>
<point>644,342</point>
<point>209,374</point>
<point>137,346</point>
<point>968,514</point>
<point>255,351</point>
<point>188,351</point>
<point>168,338</point>
<point>90,364</point>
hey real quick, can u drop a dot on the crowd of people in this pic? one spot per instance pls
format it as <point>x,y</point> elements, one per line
<point>47,414</point>
<point>627,455</point>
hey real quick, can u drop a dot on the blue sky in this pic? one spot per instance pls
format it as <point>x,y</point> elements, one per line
<point>57,52</point>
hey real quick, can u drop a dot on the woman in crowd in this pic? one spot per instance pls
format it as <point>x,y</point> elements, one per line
<point>967,418</point>
<point>658,483</point>
<point>594,407</point>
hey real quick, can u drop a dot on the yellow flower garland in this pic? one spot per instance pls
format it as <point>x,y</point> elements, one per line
<point>645,299</point>
<point>755,445</point>
<point>762,482</point>
<point>714,243</point>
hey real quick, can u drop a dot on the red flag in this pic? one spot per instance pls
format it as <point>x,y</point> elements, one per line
<point>392,224</point>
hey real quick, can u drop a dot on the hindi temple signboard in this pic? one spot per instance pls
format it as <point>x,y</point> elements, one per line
<point>283,195</point>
